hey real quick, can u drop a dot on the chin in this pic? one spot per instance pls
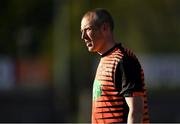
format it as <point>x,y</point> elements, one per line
<point>91,50</point>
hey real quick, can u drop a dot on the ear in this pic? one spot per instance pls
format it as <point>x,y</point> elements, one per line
<point>105,27</point>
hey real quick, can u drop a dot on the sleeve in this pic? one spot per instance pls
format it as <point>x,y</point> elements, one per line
<point>128,78</point>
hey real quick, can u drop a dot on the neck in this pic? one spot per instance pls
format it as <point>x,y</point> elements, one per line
<point>106,46</point>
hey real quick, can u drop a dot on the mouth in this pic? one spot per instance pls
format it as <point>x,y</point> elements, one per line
<point>88,43</point>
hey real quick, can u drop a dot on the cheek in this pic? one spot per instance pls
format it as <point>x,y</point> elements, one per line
<point>93,36</point>
<point>90,35</point>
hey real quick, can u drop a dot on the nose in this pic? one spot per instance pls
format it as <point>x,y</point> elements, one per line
<point>83,35</point>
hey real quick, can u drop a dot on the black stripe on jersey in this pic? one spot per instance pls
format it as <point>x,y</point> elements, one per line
<point>145,106</point>
<point>104,80</point>
<point>115,57</point>
<point>108,71</point>
<point>146,119</point>
<point>116,100</point>
<point>146,113</point>
<point>107,85</point>
<point>108,62</point>
<point>145,101</point>
<point>105,75</point>
<point>111,68</point>
<point>115,111</point>
<point>113,106</point>
<point>109,91</point>
<point>110,95</point>
<point>111,117</point>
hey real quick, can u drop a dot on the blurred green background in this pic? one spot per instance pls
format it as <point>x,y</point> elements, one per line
<point>46,72</point>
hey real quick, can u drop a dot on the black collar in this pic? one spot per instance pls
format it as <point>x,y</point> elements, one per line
<point>110,50</point>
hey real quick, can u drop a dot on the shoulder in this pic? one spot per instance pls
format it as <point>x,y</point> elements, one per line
<point>130,63</point>
<point>128,56</point>
<point>126,51</point>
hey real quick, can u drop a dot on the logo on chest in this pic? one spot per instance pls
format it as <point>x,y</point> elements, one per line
<point>96,89</point>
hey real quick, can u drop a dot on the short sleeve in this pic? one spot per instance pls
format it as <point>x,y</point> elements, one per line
<point>128,77</point>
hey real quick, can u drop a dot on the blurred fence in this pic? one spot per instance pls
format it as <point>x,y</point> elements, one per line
<point>161,70</point>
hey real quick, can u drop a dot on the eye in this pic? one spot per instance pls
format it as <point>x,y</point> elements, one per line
<point>88,29</point>
<point>85,30</point>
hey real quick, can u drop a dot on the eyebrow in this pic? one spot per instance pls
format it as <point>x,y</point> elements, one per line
<point>81,30</point>
<point>89,26</point>
<point>85,28</point>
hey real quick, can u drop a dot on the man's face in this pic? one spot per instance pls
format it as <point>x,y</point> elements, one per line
<point>91,35</point>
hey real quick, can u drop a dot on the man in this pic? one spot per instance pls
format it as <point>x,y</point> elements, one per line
<point>119,93</point>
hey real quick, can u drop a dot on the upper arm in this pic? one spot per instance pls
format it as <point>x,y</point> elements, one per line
<point>135,104</point>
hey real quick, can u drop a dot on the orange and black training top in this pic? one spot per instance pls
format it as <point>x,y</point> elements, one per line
<point>119,75</point>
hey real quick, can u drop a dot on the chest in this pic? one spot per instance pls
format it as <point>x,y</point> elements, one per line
<point>107,68</point>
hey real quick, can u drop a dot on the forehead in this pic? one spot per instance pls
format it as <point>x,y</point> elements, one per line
<point>86,21</point>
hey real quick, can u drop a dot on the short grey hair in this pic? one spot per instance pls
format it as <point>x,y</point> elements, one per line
<point>100,16</point>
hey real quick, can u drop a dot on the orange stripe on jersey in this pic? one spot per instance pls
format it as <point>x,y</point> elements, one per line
<point>115,57</point>
<point>103,121</point>
<point>110,98</point>
<point>103,78</point>
<point>145,110</point>
<point>106,87</point>
<point>108,115</point>
<point>107,62</point>
<point>117,120</point>
<point>107,83</point>
<point>109,109</point>
<point>110,66</point>
<point>112,58</point>
<point>105,74</point>
<point>117,53</point>
<point>109,104</point>
<point>108,59</point>
<point>138,94</point>
<point>109,93</point>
